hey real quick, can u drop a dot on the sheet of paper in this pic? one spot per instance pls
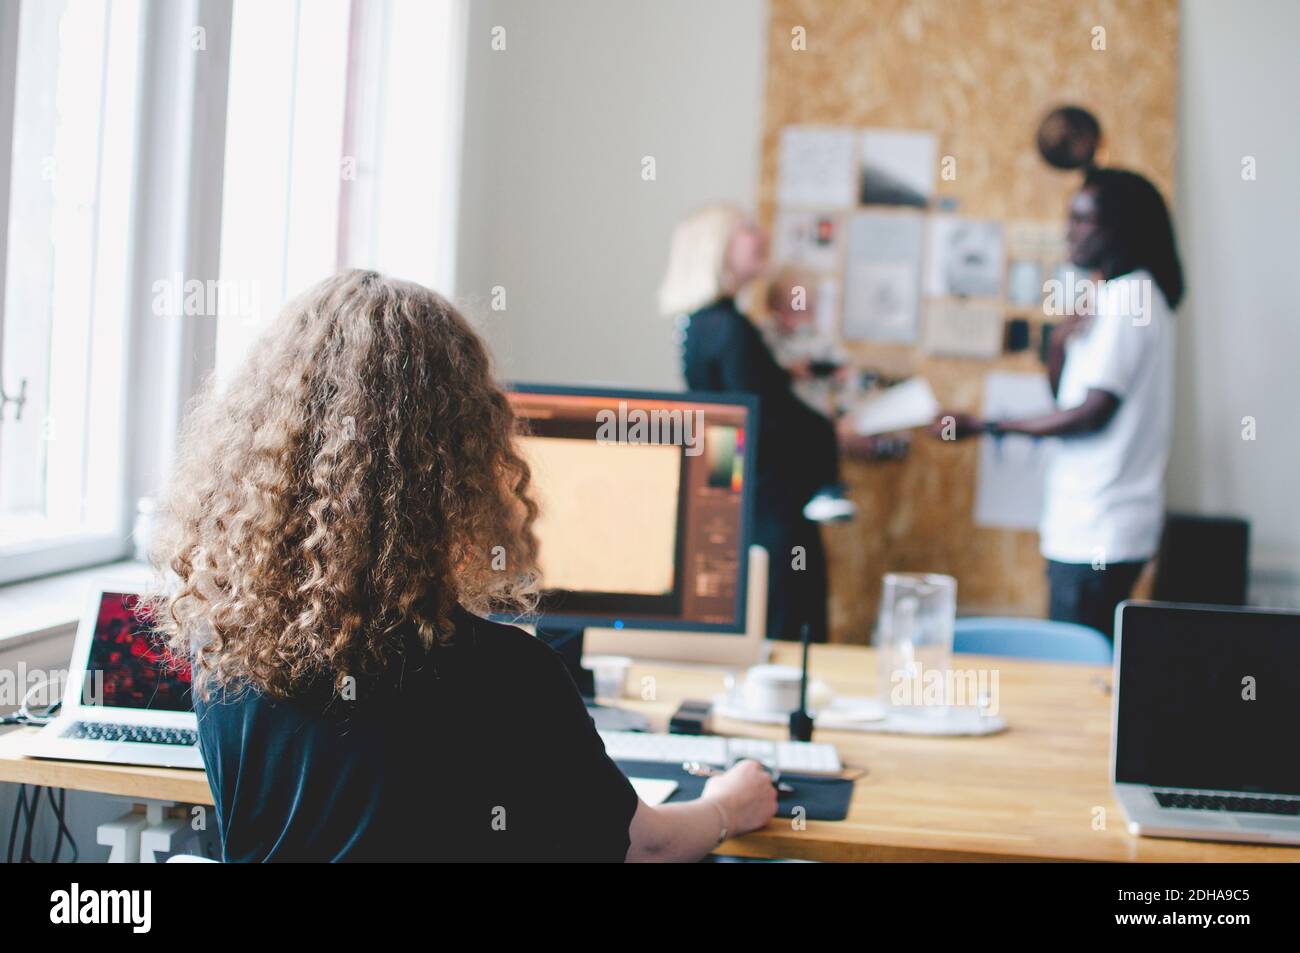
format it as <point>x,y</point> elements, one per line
<point>816,166</point>
<point>1024,283</point>
<point>965,258</point>
<point>882,276</point>
<point>653,791</point>
<point>1035,239</point>
<point>901,407</point>
<point>1009,478</point>
<point>897,167</point>
<point>957,329</point>
<point>809,240</point>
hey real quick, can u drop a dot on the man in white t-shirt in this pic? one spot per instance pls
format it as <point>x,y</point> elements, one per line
<point>1111,366</point>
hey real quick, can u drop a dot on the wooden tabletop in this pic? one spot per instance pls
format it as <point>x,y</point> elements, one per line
<point>183,785</point>
<point>1034,792</point>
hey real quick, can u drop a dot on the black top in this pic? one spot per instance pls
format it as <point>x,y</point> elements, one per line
<point>481,749</point>
<point>723,351</point>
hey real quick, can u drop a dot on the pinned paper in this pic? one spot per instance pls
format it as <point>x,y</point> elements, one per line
<point>953,329</point>
<point>816,166</point>
<point>882,276</point>
<point>1012,467</point>
<point>965,258</point>
<point>898,167</point>
<point>808,239</point>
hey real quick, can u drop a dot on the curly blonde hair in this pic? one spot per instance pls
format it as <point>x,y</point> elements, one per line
<point>355,481</point>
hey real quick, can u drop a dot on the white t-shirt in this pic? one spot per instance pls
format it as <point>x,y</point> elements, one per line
<point>1104,496</point>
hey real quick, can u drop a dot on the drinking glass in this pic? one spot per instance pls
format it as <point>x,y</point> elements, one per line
<point>914,641</point>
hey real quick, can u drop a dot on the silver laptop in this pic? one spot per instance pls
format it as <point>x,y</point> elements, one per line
<point>124,701</point>
<point>1206,712</point>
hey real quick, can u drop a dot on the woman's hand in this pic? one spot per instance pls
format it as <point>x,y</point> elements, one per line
<point>746,794</point>
<point>801,370</point>
<point>688,830</point>
<point>852,443</point>
<point>951,425</point>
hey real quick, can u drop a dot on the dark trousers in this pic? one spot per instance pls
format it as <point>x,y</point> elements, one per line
<point>823,459</point>
<point>1079,593</point>
<point>796,579</point>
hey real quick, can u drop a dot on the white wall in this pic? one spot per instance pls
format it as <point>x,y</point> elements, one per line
<point>553,206</point>
<point>554,210</point>
<point>1239,354</point>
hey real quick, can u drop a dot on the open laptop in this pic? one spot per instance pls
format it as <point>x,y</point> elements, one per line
<point>124,702</point>
<point>1206,712</point>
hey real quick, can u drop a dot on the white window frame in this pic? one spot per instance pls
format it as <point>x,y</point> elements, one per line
<point>180,105</point>
<point>397,208</point>
<point>105,421</point>
<point>176,205</point>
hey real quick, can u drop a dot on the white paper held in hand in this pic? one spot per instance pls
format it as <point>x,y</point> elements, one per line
<point>901,407</point>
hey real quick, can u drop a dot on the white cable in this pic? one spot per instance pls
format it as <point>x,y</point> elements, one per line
<point>27,716</point>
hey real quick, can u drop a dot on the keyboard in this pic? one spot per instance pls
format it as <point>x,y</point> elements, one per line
<point>1234,803</point>
<point>795,757</point>
<point>142,734</point>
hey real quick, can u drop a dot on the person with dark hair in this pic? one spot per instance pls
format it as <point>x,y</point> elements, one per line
<point>1111,368</point>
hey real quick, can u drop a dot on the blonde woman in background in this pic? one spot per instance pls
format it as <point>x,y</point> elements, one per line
<point>716,253</point>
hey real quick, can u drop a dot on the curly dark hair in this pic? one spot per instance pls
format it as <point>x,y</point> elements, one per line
<point>356,481</point>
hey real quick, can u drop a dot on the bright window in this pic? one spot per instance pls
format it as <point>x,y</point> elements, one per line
<point>63,316</point>
<point>342,131</point>
<point>341,135</point>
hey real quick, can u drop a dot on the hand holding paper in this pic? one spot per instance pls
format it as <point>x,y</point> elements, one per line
<point>901,407</point>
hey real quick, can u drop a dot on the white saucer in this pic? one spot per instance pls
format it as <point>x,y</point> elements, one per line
<point>843,711</point>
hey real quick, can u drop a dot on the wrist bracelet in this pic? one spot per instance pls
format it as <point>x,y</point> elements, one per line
<point>726,826</point>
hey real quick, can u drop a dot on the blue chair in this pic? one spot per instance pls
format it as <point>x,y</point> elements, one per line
<point>1031,638</point>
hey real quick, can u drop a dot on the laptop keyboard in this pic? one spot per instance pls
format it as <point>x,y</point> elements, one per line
<point>143,734</point>
<point>1232,803</point>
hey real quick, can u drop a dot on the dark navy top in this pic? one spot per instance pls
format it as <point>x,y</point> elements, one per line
<point>481,749</point>
<point>797,455</point>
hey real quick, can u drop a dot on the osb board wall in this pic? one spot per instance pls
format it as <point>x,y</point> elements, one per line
<point>979,74</point>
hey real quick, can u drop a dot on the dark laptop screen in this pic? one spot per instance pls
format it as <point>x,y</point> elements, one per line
<point>135,671</point>
<point>1209,699</point>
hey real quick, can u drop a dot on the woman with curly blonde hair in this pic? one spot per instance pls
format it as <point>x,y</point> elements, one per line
<point>340,519</point>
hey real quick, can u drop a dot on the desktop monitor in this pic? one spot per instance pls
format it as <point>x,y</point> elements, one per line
<point>645,518</point>
<point>645,506</point>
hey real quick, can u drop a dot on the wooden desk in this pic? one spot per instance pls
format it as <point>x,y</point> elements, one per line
<point>183,785</point>
<point>1030,793</point>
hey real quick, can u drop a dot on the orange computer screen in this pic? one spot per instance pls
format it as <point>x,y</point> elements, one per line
<point>641,504</point>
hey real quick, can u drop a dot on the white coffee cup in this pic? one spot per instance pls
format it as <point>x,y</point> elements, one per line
<point>609,673</point>
<point>771,688</point>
